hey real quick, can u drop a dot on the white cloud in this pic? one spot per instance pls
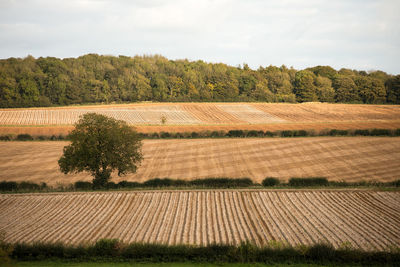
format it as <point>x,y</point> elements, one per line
<point>353,33</point>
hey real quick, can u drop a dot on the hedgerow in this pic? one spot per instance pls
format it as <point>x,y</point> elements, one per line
<point>246,252</point>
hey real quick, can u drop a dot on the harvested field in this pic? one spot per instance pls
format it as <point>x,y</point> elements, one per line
<point>206,113</point>
<point>368,220</point>
<point>184,117</point>
<point>337,158</point>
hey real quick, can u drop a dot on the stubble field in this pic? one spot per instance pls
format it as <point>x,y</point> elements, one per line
<point>182,117</point>
<point>350,159</point>
<point>364,219</point>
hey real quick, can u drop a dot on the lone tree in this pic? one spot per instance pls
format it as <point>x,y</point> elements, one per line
<point>101,145</point>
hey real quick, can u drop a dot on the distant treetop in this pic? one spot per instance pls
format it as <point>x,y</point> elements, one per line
<point>94,78</point>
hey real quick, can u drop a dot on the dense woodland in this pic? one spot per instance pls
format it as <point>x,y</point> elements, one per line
<point>93,78</point>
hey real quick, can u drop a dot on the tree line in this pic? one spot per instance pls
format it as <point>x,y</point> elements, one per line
<point>93,78</point>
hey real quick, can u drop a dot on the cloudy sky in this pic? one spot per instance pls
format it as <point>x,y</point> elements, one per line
<point>356,34</point>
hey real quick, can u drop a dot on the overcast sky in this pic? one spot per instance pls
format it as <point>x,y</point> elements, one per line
<point>356,34</point>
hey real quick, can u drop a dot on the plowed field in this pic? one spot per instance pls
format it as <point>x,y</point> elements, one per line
<point>366,219</point>
<point>207,116</point>
<point>337,158</point>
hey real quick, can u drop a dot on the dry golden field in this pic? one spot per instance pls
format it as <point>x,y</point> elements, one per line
<point>337,158</point>
<point>181,117</point>
<point>369,220</point>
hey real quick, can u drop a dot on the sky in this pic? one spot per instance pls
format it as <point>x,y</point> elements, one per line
<point>355,34</point>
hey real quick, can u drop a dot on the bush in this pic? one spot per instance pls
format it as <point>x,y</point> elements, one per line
<point>321,252</point>
<point>5,138</point>
<point>380,132</point>
<point>269,134</point>
<point>157,182</point>
<point>24,137</point>
<point>222,182</point>
<point>165,135</point>
<point>8,186</point>
<point>361,132</point>
<point>286,133</point>
<point>396,132</point>
<point>111,185</point>
<point>236,133</point>
<point>270,181</point>
<point>106,247</point>
<point>314,181</point>
<point>300,133</point>
<point>82,185</point>
<point>335,132</point>
<point>126,184</point>
<point>28,186</point>
<point>395,183</point>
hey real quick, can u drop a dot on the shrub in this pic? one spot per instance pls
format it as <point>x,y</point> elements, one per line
<point>361,132</point>
<point>395,183</point>
<point>380,132</point>
<point>111,185</point>
<point>396,132</point>
<point>41,137</point>
<point>270,181</point>
<point>235,133</point>
<point>82,185</point>
<point>194,135</point>
<point>24,137</point>
<point>269,134</point>
<point>300,133</point>
<point>165,135</point>
<point>217,134</point>
<point>313,181</point>
<point>8,186</point>
<point>155,135</point>
<point>321,252</point>
<point>253,133</point>
<point>28,186</point>
<point>222,182</point>
<point>157,182</point>
<point>106,247</point>
<point>5,138</point>
<point>126,184</point>
<point>336,132</point>
<point>286,133</point>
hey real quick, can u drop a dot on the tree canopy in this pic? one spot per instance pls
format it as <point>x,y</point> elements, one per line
<point>94,78</point>
<point>100,145</point>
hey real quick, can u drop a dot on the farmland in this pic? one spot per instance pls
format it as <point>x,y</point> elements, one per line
<point>340,158</point>
<point>365,219</point>
<point>206,116</point>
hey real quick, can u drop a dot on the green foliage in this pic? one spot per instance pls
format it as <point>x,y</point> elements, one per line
<point>336,132</point>
<point>313,181</point>
<point>270,181</point>
<point>24,137</point>
<point>305,89</point>
<point>5,251</point>
<point>222,182</point>
<point>94,78</point>
<point>393,89</point>
<point>157,182</point>
<point>380,132</point>
<point>101,145</point>
<point>82,185</point>
<point>8,186</point>
<point>245,252</point>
